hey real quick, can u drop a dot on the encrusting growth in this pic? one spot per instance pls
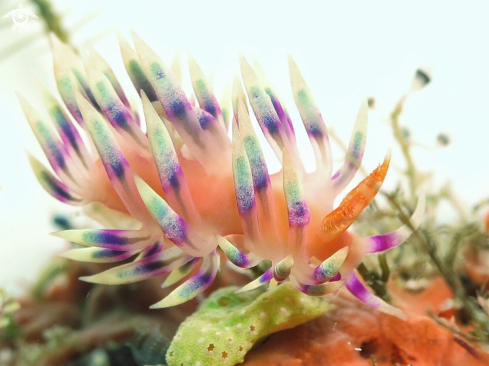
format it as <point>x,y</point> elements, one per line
<point>228,324</point>
<point>185,189</point>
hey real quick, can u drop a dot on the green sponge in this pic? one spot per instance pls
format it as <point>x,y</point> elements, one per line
<point>228,324</point>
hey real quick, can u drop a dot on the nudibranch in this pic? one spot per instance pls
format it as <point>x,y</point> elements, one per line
<point>172,188</point>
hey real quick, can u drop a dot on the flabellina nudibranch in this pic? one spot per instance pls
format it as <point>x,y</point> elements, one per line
<point>172,196</point>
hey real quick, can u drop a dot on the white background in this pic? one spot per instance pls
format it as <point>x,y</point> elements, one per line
<point>345,50</point>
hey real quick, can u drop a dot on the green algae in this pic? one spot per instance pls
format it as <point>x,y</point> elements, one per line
<point>228,324</point>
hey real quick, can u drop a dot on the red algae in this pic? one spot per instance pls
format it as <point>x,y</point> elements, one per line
<point>433,297</point>
<point>356,335</point>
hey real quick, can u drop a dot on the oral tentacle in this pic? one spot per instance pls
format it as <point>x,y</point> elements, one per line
<point>357,288</point>
<point>383,242</point>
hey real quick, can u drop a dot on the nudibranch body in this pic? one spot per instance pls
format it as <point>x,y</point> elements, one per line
<point>172,196</point>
